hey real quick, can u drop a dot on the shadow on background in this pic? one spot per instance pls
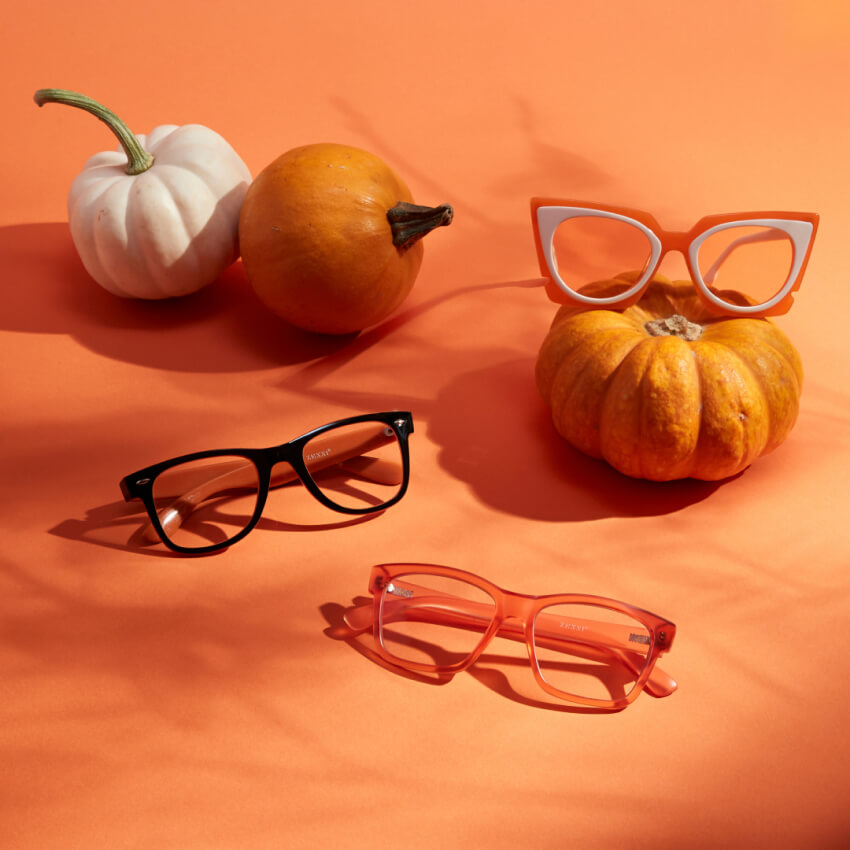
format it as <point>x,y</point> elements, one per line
<point>480,407</point>
<point>509,676</point>
<point>119,526</point>
<point>546,169</point>
<point>312,374</point>
<point>223,327</point>
<point>517,462</point>
<point>495,434</point>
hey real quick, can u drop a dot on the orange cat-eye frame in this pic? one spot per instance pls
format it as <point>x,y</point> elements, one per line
<point>519,616</point>
<point>548,213</point>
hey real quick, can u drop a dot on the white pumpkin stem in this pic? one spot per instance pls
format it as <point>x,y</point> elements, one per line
<point>138,159</point>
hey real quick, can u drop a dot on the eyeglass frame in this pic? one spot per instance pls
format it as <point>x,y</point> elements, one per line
<point>510,605</point>
<point>662,242</point>
<point>140,484</point>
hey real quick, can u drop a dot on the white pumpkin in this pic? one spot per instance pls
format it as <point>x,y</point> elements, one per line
<point>161,219</point>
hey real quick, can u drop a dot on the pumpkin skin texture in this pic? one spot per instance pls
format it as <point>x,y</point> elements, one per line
<point>169,231</point>
<point>663,407</point>
<point>316,241</point>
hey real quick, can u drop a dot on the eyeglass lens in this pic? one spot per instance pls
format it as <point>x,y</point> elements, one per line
<point>581,650</point>
<point>207,501</point>
<point>753,259</point>
<point>589,249</point>
<point>433,620</point>
<point>211,500</point>
<point>589,650</point>
<point>358,465</point>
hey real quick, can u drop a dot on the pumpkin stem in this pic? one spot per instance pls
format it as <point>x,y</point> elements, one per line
<point>138,159</point>
<point>410,222</point>
<point>674,325</point>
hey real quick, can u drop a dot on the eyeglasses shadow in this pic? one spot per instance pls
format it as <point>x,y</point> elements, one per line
<point>121,526</point>
<point>489,669</point>
<point>361,642</point>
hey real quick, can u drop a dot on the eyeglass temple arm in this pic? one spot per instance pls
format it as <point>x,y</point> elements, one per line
<point>464,613</point>
<point>343,450</point>
<point>770,235</point>
<point>347,450</point>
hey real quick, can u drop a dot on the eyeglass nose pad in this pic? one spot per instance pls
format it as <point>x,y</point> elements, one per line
<point>359,618</point>
<point>511,620</point>
<point>512,625</point>
<point>517,607</point>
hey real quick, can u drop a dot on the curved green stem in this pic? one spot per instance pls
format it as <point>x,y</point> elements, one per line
<point>138,159</point>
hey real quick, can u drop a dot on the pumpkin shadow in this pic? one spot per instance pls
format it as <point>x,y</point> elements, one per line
<point>494,433</point>
<point>223,327</point>
<point>313,374</point>
<point>515,461</point>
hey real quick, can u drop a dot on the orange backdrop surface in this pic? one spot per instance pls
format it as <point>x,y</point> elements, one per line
<point>150,700</point>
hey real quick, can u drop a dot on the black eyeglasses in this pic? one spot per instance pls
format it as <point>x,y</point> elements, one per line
<point>206,501</point>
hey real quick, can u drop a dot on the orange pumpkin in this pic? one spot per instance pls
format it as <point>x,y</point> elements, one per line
<point>330,239</point>
<point>665,390</point>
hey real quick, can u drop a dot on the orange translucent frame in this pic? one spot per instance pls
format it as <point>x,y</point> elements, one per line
<point>798,229</point>
<point>607,632</point>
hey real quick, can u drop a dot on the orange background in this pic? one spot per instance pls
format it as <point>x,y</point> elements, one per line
<point>159,701</point>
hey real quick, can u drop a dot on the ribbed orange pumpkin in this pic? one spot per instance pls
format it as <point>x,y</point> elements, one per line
<point>665,390</point>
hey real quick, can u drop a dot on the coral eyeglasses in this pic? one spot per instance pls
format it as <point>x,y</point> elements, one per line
<point>601,256</point>
<point>588,650</point>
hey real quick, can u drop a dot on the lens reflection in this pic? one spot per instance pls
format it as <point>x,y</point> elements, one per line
<point>206,501</point>
<point>433,620</point>
<point>753,260</point>
<point>590,651</point>
<point>356,466</point>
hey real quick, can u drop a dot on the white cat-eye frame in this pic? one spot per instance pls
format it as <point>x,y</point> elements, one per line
<point>599,256</point>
